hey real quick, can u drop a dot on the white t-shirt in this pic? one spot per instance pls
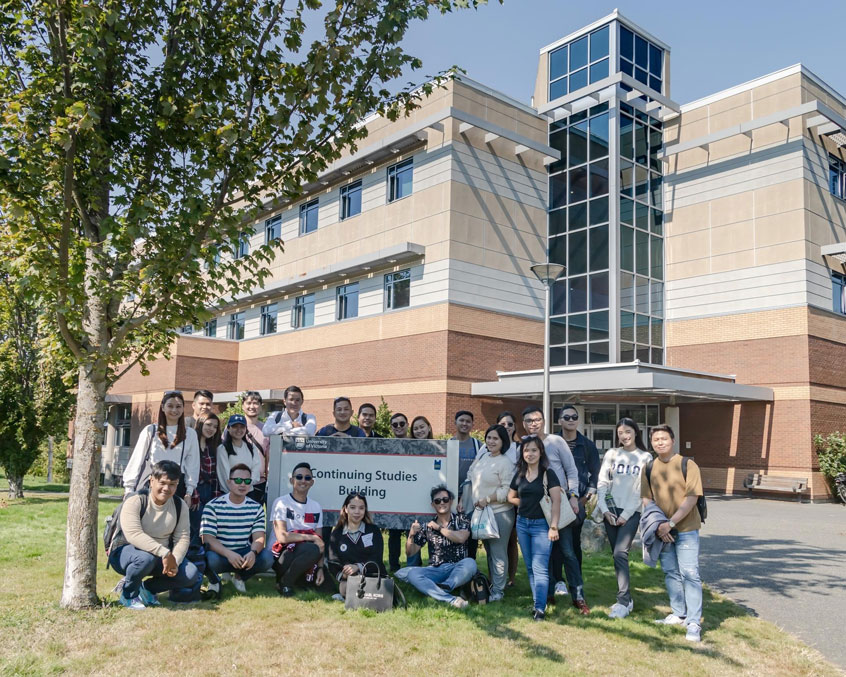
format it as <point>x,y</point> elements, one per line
<point>296,516</point>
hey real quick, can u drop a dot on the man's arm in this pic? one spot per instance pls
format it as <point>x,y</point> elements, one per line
<point>284,536</point>
<point>411,548</point>
<point>455,535</point>
<point>182,533</point>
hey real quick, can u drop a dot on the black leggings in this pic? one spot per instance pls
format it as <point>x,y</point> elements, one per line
<point>292,565</point>
<point>621,542</point>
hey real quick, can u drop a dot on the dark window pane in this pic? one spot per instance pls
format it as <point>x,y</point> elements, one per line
<point>626,136</point>
<point>641,52</point>
<point>657,330</point>
<point>599,136</point>
<point>641,182</point>
<point>640,139</point>
<point>558,63</point>
<point>558,140</point>
<point>578,143</point>
<point>577,354</point>
<point>655,83</point>
<point>626,178</point>
<point>641,295</point>
<point>627,327</point>
<point>578,117</point>
<point>627,211</point>
<point>627,67</point>
<point>643,354</point>
<point>656,301</point>
<point>578,184</point>
<point>626,352</point>
<point>599,70</point>
<point>655,61</point>
<point>641,252</point>
<point>641,76</point>
<point>599,291</point>
<point>578,79</point>
<point>557,88</point>
<point>656,244</point>
<point>578,216</point>
<point>578,294</point>
<point>558,357</point>
<point>626,43</point>
<point>626,248</point>
<point>642,329</point>
<point>579,53</point>
<point>596,110</point>
<point>657,197</point>
<point>598,248</point>
<point>577,262</point>
<point>557,221</point>
<point>578,328</point>
<point>599,326</point>
<point>598,353</point>
<point>599,43</point>
<point>627,291</point>
<point>558,331</point>
<point>598,210</point>
<point>598,178</point>
<point>559,298</point>
<point>558,190</point>
<point>558,249</point>
<point>657,222</point>
<point>655,147</point>
<point>657,356</point>
<point>641,216</point>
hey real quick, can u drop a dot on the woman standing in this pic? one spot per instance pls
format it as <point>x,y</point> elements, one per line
<point>534,533</point>
<point>354,542</point>
<point>168,440</point>
<point>490,476</point>
<point>235,449</point>
<point>618,499</point>
<point>421,429</point>
<point>506,420</point>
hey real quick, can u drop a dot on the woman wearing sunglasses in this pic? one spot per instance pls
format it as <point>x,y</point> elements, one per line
<point>354,542</point>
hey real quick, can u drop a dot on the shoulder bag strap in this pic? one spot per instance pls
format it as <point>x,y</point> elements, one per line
<point>146,457</point>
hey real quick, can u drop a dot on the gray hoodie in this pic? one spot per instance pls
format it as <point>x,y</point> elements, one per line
<point>650,519</point>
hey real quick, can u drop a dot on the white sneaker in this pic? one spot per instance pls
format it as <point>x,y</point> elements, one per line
<point>672,619</point>
<point>459,603</point>
<point>560,589</point>
<point>225,578</point>
<point>238,584</point>
<point>694,632</point>
<point>620,610</point>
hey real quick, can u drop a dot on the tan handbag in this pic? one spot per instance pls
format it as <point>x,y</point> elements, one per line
<point>566,515</point>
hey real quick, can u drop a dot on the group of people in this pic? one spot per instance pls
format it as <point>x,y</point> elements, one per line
<point>221,477</point>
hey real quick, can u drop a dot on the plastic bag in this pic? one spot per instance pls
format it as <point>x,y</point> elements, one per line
<point>483,524</point>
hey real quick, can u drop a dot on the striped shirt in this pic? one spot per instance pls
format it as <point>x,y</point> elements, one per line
<point>231,524</point>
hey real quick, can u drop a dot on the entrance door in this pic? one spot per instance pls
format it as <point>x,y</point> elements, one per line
<point>602,436</point>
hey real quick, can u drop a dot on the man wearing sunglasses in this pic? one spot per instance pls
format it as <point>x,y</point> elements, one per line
<point>449,566</point>
<point>233,531</point>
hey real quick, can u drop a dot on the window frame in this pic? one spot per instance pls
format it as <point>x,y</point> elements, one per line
<point>236,320</point>
<point>274,223</point>
<point>266,316</point>
<point>354,186</point>
<point>208,326</point>
<point>393,172</point>
<point>838,289</point>
<point>342,293</point>
<point>837,166</point>
<point>305,209</point>
<point>298,312</point>
<point>389,284</point>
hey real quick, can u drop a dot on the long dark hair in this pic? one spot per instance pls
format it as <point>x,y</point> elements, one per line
<point>343,517</point>
<point>162,426</point>
<point>514,436</point>
<point>426,421</point>
<point>630,423</point>
<point>543,462</point>
<point>214,440</point>
<point>230,448</point>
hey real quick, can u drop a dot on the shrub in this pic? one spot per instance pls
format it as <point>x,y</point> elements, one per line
<point>831,450</point>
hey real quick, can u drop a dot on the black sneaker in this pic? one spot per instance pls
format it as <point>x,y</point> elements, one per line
<point>285,591</point>
<point>538,615</point>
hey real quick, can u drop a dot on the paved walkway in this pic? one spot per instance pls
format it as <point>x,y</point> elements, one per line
<point>783,560</point>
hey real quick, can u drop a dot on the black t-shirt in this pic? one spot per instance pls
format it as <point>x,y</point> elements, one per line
<point>530,493</point>
<point>352,431</point>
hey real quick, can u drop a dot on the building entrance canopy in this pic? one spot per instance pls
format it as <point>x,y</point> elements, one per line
<point>629,381</point>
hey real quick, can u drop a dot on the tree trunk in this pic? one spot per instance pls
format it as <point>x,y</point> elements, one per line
<point>16,485</point>
<point>80,586</point>
<point>50,460</point>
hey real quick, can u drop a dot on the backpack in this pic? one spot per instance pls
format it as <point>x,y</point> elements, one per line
<point>302,417</point>
<point>701,505</point>
<point>113,537</point>
<point>479,588</point>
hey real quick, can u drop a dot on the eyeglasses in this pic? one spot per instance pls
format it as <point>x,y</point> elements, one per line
<point>569,417</point>
<point>438,501</point>
<point>532,420</point>
<point>307,478</point>
<point>399,424</point>
<point>242,480</point>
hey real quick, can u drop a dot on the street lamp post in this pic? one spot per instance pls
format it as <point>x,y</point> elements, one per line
<point>547,273</point>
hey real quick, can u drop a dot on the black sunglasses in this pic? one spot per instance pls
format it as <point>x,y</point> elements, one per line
<point>507,425</point>
<point>438,501</point>
<point>307,478</point>
<point>399,424</point>
<point>242,480</point>
<point>569,417</point>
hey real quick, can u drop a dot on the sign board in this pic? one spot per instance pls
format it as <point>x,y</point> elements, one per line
<point>396,476</point>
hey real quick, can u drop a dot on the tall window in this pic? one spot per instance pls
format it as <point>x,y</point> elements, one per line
<point>400,180</point>
<point>272,229</point>
<point>268,319</point>
<point>210,328</point>
<point>186,329</point>
<point>838,293</point>
<point>123,425</point>
<point>641,59</point>
<point>308,217</point>
<point>235,329</point>
<point>351,200</point>
<point>347,301</point>
<point>837,176</point>
<point>241,246</point>
<point>578,63</point>
<point>302,314</point>
<point>397,290</point>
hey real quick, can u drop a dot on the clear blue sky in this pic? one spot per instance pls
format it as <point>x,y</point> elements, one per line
<point>714,45</point>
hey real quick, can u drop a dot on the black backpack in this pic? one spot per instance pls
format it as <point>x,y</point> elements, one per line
<point>701,505</point>
<point>303,418</point>
<point>113,537</point>
<point>479,588</point>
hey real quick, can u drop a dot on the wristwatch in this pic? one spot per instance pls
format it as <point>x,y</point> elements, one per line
<point>672,524</point>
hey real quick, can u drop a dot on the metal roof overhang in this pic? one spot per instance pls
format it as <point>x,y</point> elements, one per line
<point>624,381</point>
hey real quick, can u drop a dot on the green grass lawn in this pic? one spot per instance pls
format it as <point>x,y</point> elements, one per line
<point>33,483</point>
<point>262,633</point>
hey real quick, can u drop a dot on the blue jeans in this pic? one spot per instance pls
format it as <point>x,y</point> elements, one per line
<point>135,565</point>
<point>431,580</point>
<point>533,536</point>
<point>219,564</point>
<point>680,562</point>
